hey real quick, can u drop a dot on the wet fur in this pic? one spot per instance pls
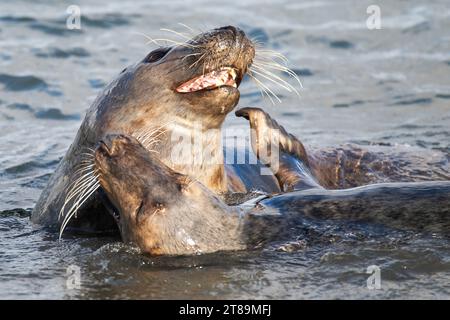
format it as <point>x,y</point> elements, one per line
<point>167,213</point>
<point>142,97</point>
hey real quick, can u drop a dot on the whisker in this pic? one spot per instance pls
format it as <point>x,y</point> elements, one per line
<point>261,73</point>
<point>268,89</point>
<point>88,166</point>
<point>187,27</point>
<point>272,63</point>
<point>279,68</point>
<point>257,39</point>
<point>80,193</point>
<point>84,171</point>
<point>156,41</point>
<point>71,213</point>
<point>263,88</point>
<point>198,60</point>
<point>80,202</point>
<point>150,142</point>
<point>190,55</point>
<point>144,35</point>
<point>82,180</point>
<point>265,53</point>
<point>87,155</point>
<point>183,44</point>
<point>149,137</point>
<point>84,176</point>
<point>175,32</point>
<point>267,75</point>
<point>76,192</point>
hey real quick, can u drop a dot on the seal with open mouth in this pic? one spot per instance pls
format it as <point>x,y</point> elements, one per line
<point>166,95</point>
<point>172,89</point>
<point>164,212</point>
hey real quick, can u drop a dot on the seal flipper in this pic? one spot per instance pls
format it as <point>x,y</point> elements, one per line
<point>293,169</point>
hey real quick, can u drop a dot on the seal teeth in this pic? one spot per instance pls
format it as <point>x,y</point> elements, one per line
<point>224,77</point>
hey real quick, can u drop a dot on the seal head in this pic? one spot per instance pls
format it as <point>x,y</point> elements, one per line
<point>161,211</point>
<point>171,90</point>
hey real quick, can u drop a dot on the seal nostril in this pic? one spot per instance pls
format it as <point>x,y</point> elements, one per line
<point>108,143</point>
<point>103,147</point>
<point>113,142</point>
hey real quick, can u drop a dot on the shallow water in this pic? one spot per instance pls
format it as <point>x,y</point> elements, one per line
<point>388,87</point>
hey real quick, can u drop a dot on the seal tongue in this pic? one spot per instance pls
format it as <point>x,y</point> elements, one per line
<point>214,79</point>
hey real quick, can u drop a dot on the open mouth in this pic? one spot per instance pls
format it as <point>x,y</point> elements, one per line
<point>225,76</point>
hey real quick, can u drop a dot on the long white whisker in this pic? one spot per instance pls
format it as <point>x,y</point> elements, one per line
<point>288,87</point>
<point>272,64</point>
<point>150,137</point>
<point>145,142</point>
<point>156,136</point>
<point>261,88</point>
<point>270,76</point>
<point>72,212</point>
<point>155,41</point>
<point>191,54</point>
<point>76,186</point>
<point>77,190</point>
<point>80,202</point>
<point>84,168</point>
<point>80,182</point>
<point>86,189</point>
<point>187,27</point>
<point>183,44</point>
<point>85,162</point>
<point>264,53</point>
<point>198,60</point>
<point>279,67</point>
<point>86,154</point>
<point>175,32</point>
<point>267,88</point>
<point>84,176</point>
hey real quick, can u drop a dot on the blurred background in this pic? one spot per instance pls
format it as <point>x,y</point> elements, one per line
<point>387,87</point>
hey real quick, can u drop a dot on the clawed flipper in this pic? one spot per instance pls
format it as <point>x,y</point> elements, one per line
<point>278,149</point>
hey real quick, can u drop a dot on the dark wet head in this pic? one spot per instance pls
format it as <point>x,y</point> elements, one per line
<point>194,80</point>
<point>138,186</point>
<point>158,209</point>
<point>220,58</point>
<point>205,72</point>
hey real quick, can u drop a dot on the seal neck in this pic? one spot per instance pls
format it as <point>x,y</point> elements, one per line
<point>196,151</point>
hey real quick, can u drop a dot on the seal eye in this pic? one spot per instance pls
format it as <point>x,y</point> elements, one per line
<point>156,55</point>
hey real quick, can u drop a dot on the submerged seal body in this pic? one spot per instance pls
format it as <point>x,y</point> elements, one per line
<point>165,212</point>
